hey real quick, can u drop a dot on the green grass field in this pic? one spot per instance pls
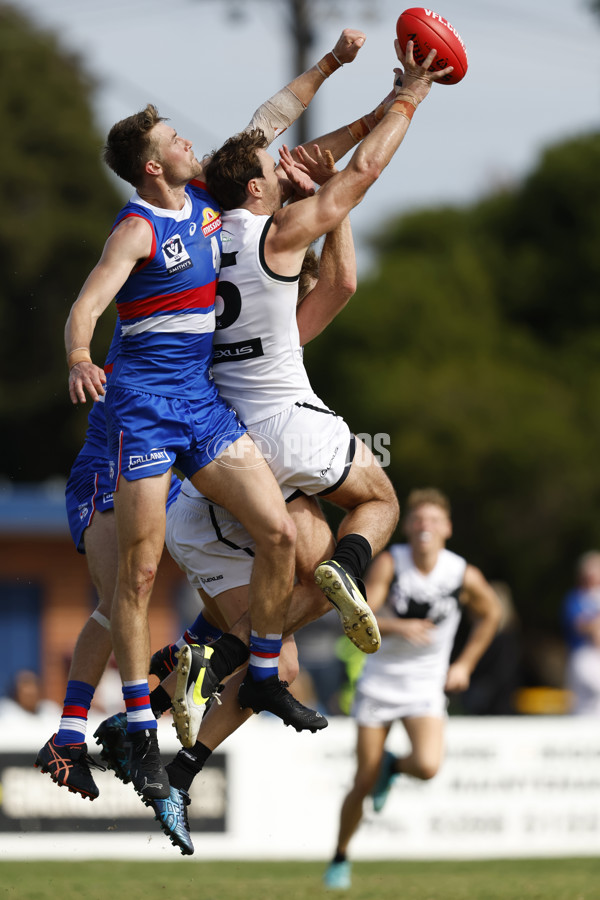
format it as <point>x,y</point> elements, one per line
<point>557,879</point>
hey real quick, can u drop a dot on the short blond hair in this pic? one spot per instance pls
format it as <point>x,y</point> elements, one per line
<point>420,496</point>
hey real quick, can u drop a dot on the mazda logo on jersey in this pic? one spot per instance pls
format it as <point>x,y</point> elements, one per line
<point>238,350</point>
<point>175,255</point>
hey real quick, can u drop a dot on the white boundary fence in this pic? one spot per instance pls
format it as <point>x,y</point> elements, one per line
<point>510,787</point>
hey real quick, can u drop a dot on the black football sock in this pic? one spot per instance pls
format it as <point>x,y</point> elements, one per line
<point>354,553</point>
<point>339,857</point>
<point>160,701</point>
<point>229,653</point>
<point>186,766</point>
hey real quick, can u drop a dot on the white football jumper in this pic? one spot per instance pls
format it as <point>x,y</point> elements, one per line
<point>259,370</point>
<point>257,363</point>
<point>402,678</point>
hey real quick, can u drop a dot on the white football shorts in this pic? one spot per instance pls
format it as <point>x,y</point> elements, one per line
<point>208,544</point>
<point>373,711</point>
<point>309,447</point>
<point>310,450</point>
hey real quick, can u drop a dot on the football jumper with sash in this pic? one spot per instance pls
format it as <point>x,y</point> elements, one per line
<point>166,307</point>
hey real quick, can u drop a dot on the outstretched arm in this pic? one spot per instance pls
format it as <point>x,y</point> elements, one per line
<point>282,110</point>
<point>336,281</point>
<point>343,139</point>
<point>296,226</point>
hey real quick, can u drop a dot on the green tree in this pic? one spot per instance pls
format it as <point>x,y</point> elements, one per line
<point>58,205</point>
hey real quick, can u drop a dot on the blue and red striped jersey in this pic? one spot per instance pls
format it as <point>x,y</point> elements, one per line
<point>166,307</point>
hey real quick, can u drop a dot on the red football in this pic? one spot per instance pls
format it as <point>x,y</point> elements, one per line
<point>427,29</point>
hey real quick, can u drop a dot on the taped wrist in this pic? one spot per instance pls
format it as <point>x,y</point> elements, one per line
<point>277,113</point>
<point>80,354</point>
<point>404,104</point>
<point>359,129</point>
<point>329,64</point>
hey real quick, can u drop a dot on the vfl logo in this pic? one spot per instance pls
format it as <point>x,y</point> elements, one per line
<point>153,458</point>
<point>211,221</point>
<point>177,259</point>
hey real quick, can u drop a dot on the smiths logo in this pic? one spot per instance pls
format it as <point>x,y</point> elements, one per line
<point>176,256</point>
<point>211,221</point>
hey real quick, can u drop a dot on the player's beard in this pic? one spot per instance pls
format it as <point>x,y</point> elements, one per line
<point>196,168</point>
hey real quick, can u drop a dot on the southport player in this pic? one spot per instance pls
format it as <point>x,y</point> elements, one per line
<point>264,245</point>
<point>420,590</point>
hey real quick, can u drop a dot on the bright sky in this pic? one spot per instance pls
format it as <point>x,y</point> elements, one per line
<point>533,80</point>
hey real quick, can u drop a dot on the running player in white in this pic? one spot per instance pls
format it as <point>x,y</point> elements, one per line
<point>420,590</point>
<point>259,370</point>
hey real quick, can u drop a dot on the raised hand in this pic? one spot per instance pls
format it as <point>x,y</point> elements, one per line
<point>320,166</point>
<point>297,174</point>
<point>415,78</point>
<point>348,45</point>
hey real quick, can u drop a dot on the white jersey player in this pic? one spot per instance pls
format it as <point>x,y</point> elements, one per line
<point>259,370</point>
<point>419,591</point>
<point>267,255</point>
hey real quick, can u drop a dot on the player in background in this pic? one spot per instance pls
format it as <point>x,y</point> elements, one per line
<point>420,590</point>
<point>259,369</point>
<point>92,481</point>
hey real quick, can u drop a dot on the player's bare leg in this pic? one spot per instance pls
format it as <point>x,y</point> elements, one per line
<point>94,644</point>
<point>372,514</point>
<point>64,756</point>
<point>426,735</point>
<point>241,481</point>
<point>140,513</point>
<point>369,499</point>
<point>369,750</point>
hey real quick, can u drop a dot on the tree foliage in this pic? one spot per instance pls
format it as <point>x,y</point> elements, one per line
<point>58,205</point>
<point>475,347</point>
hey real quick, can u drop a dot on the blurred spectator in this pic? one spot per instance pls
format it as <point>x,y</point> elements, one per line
<point>581,623</point>
<point>25,699</point>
